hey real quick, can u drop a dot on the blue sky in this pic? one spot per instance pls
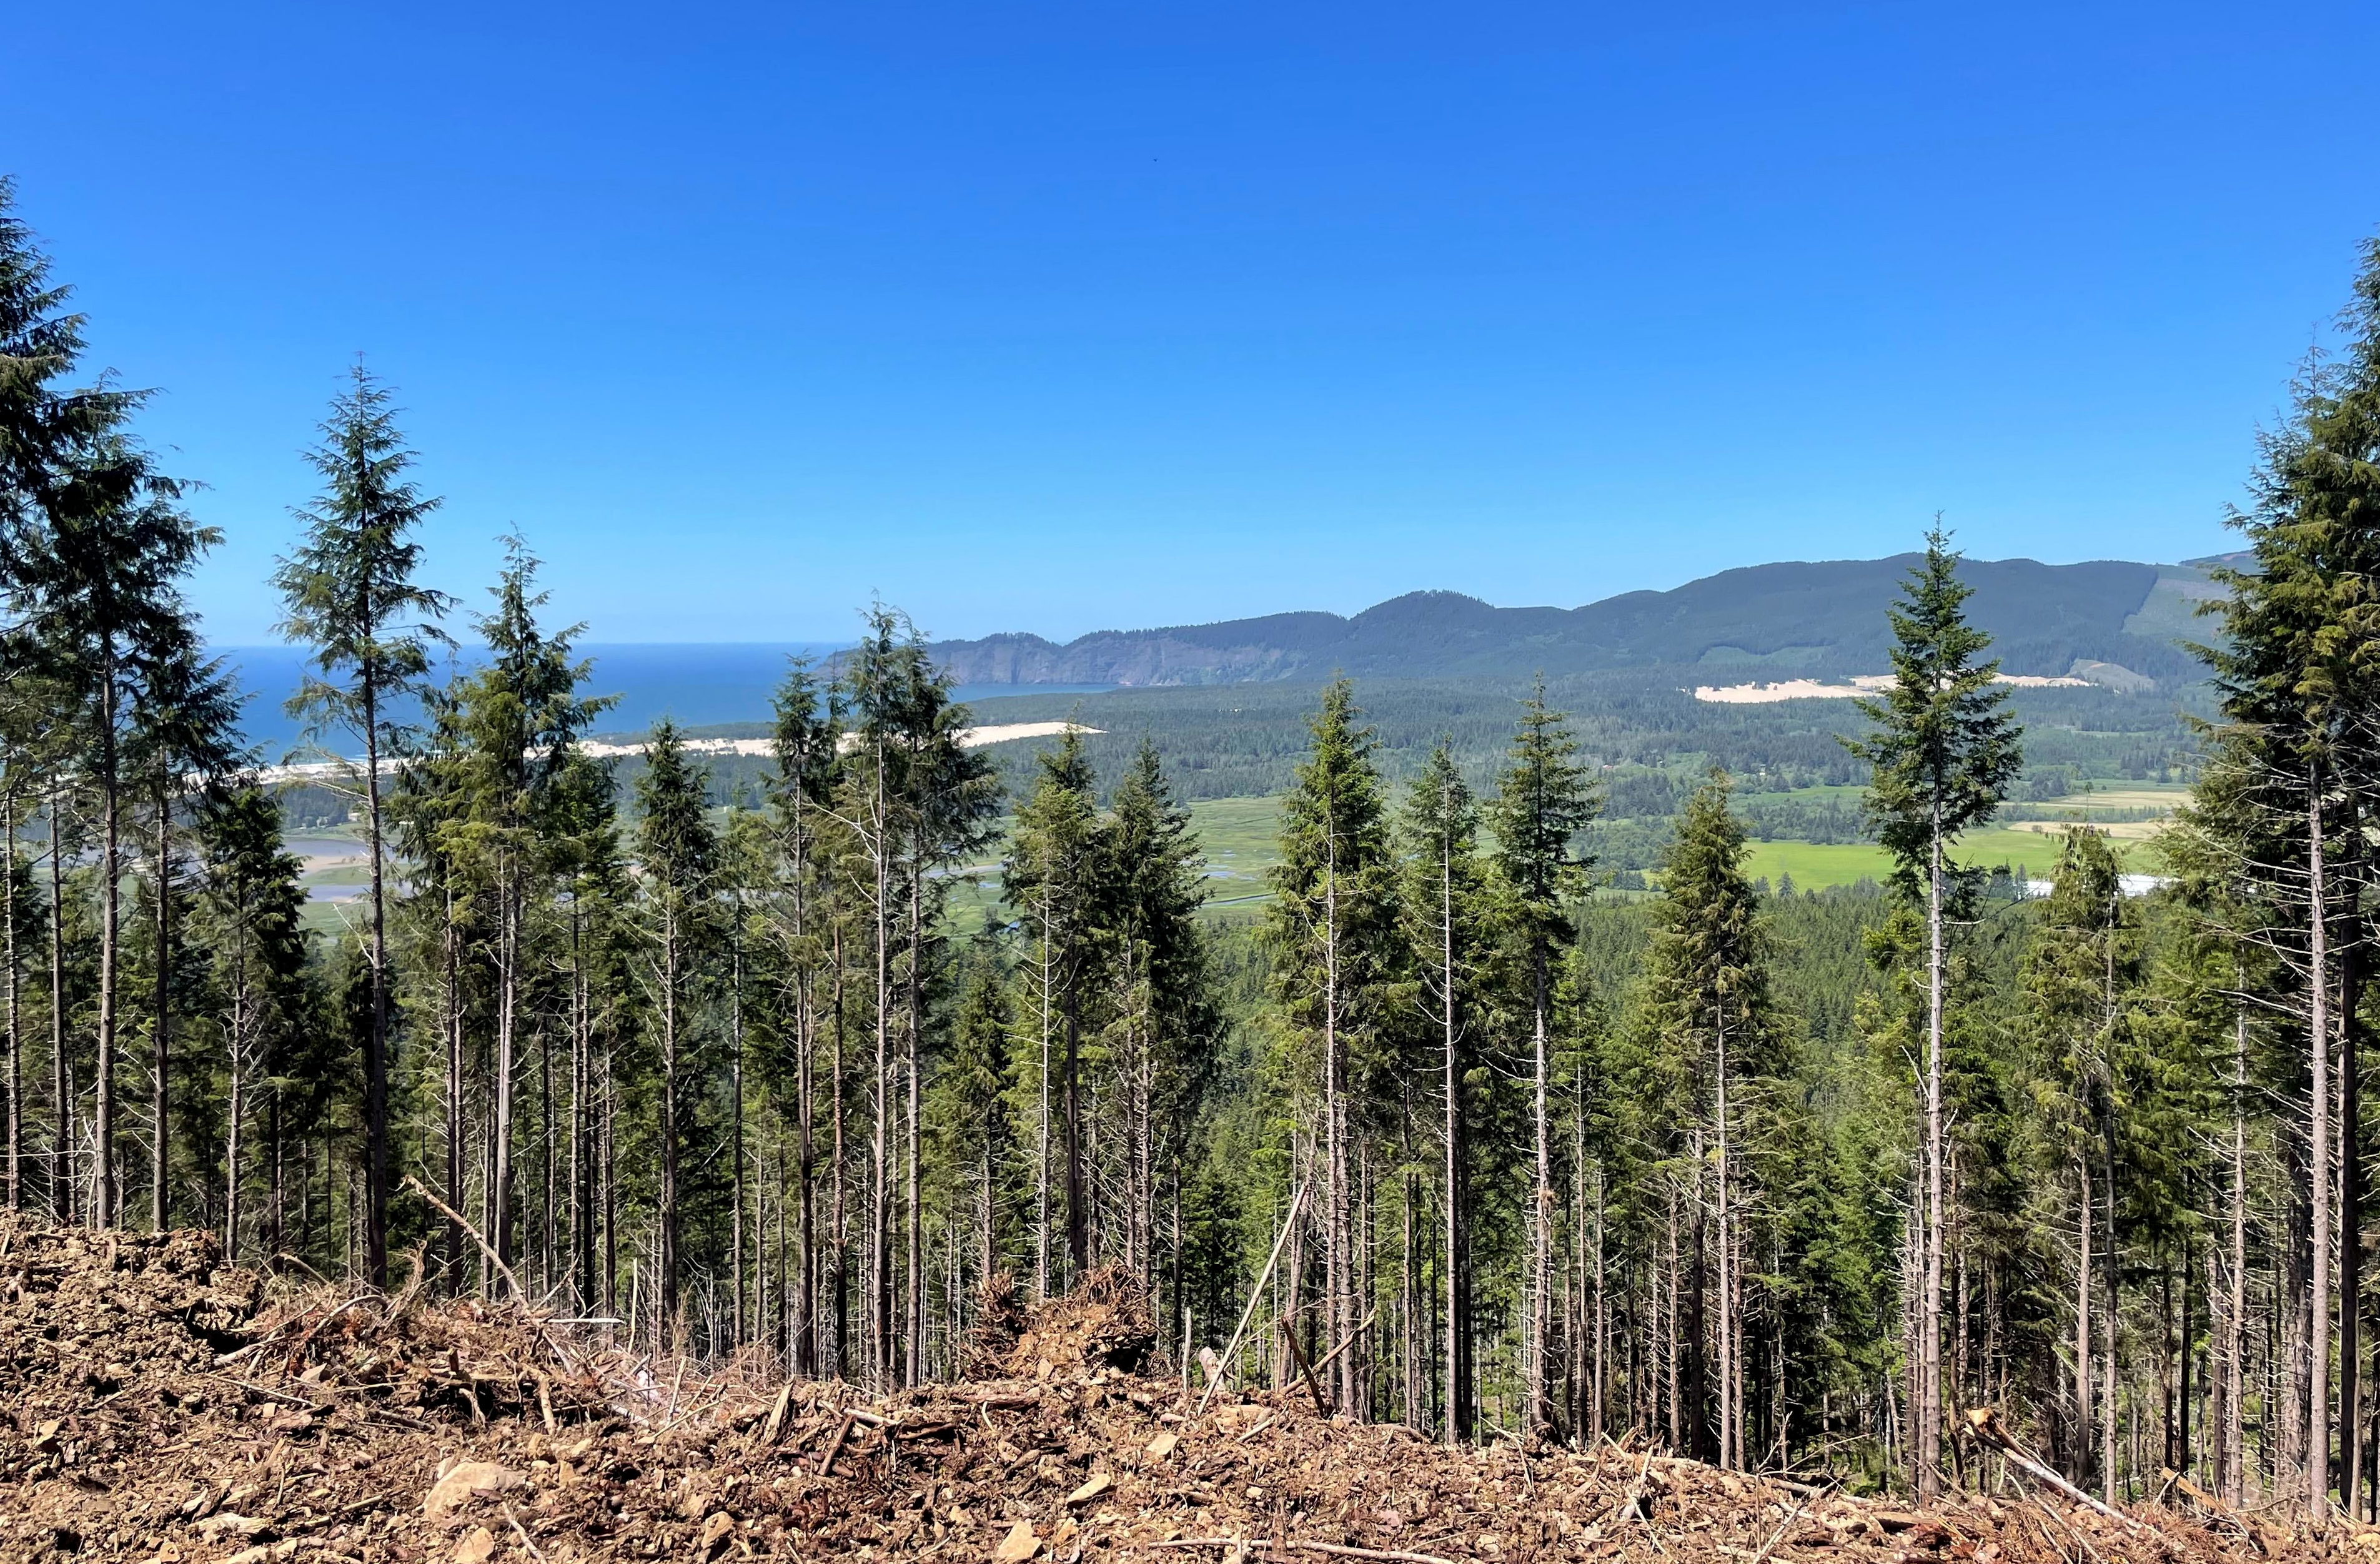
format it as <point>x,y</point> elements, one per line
<point>1057,317</point>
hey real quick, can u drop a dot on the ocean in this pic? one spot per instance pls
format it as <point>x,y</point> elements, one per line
<point>696,684</point>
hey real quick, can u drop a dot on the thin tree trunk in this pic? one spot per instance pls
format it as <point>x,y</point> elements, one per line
<point>2112,1271</point>
<point>1541,1211</point>
<point>1927,1454</point>
<point>234,1081</point>
<point>61,1200</point>
<point>666,1280</point>
<point>1602,1321</point>
<point>2350,1233</point>
<point>15,1013</point>
<point>1458,1400</point>
<point>161,1035</point>
<point>106,1191</point>
<point>376,1039</point>
<point>453,1027</point>
<point>1729,1436</point>
<point>1337,1282</point>
<point>735,1147</point>
<point>913,1148</point>
<point>582,1162</point>
<point>507,1061</point>
<point>2088,1216</point>
<point>2235,1322</point>
<point>1041,1161</point>
<point>2318,1156</point>
<point>839,1246</point>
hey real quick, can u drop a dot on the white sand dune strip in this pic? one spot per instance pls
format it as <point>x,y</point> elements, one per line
<point>1860,685</point>
<point>969,738</point>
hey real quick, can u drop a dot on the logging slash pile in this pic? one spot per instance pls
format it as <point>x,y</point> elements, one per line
<point>157,1406</point>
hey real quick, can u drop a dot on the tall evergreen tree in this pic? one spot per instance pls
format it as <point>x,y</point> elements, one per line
<point>2295,774</point>
<point>104,585</point>
<point>348,594</point>
<point>801,793</point>
<point>1332,927</point>
<point>249,913</point>
<point>1544,799</point>
<point>518,718</point>
<point>1943,751</point>
<point>1707,1008</point>
<point>1054,879</point>
<point>678,852</point>
<point>1447,917</point>
<point>1155,885</point>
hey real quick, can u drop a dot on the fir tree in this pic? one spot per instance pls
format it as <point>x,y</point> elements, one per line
<point>1707,1009</point>
<point>348,594</point>
<point>1943,751</point>
<point>1446,916</point>
<point>1054,879</point>
<point>678,852</point>
<point>1333,930</point>
<point>1544,799</point>
<point>248,915</point>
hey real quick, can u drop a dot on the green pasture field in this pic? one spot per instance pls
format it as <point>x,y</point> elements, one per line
<point>2032,853</point>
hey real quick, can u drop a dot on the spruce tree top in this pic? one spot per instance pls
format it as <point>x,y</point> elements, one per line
<point>1945,745</point>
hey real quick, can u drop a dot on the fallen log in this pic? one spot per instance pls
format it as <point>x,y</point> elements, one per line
<point>1985,1424</point>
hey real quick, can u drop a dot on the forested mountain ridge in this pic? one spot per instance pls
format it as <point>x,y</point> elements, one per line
<point>1804,617</point>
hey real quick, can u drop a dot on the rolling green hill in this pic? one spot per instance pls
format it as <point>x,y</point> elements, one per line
<point>1763,621</point>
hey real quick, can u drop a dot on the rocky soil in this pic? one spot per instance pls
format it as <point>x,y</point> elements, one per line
<point>156,1406</point>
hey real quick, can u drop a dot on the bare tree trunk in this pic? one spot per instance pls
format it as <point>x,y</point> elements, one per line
<point>1602,1321</point>
<point>1730,1435</point>
<point>839,1244</point>
<point>912,1137</point>
<point>1041,1160</point>
<point>735,1134</point>
<point>106,1193</point>
<point>376,1039</point>
<point>1541,1219</point>
<point>501,1174</point>
<point>2350,1236</point>
<point>235,1080</point>
<point>1926,1456</point>
<point>582,1081</point>
<point>2233,1451</point>
<point>2318,1157</point>
<point>2112,1271</point>
<point>1337,1269</point>
<point>1672,1337</point>
<point>2086,1216</point>
<point>453,1026</point>
<point>665,1282</point>
<point>61,1200</point>
<point>161,1033</point>
<point>1458,1381</point>
<point>806,1338</point>
<point>16,1011</point>
<point>879,1311</point>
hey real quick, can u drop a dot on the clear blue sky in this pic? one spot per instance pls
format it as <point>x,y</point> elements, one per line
<point>1060,317</point>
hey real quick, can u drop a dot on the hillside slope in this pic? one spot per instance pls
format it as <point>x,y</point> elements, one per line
<point>1827,618</point>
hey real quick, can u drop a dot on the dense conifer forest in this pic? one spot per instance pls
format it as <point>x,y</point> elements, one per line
<point>1449,1128</point>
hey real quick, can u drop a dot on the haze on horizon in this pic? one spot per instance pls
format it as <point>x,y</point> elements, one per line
<point>1062,319</point>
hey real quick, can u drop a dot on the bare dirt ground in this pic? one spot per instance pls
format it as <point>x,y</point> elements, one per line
<point>160,1407</point>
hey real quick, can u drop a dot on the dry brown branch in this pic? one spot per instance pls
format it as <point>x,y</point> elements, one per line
<point>1987,1425</point>
<point>452,1215</point>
